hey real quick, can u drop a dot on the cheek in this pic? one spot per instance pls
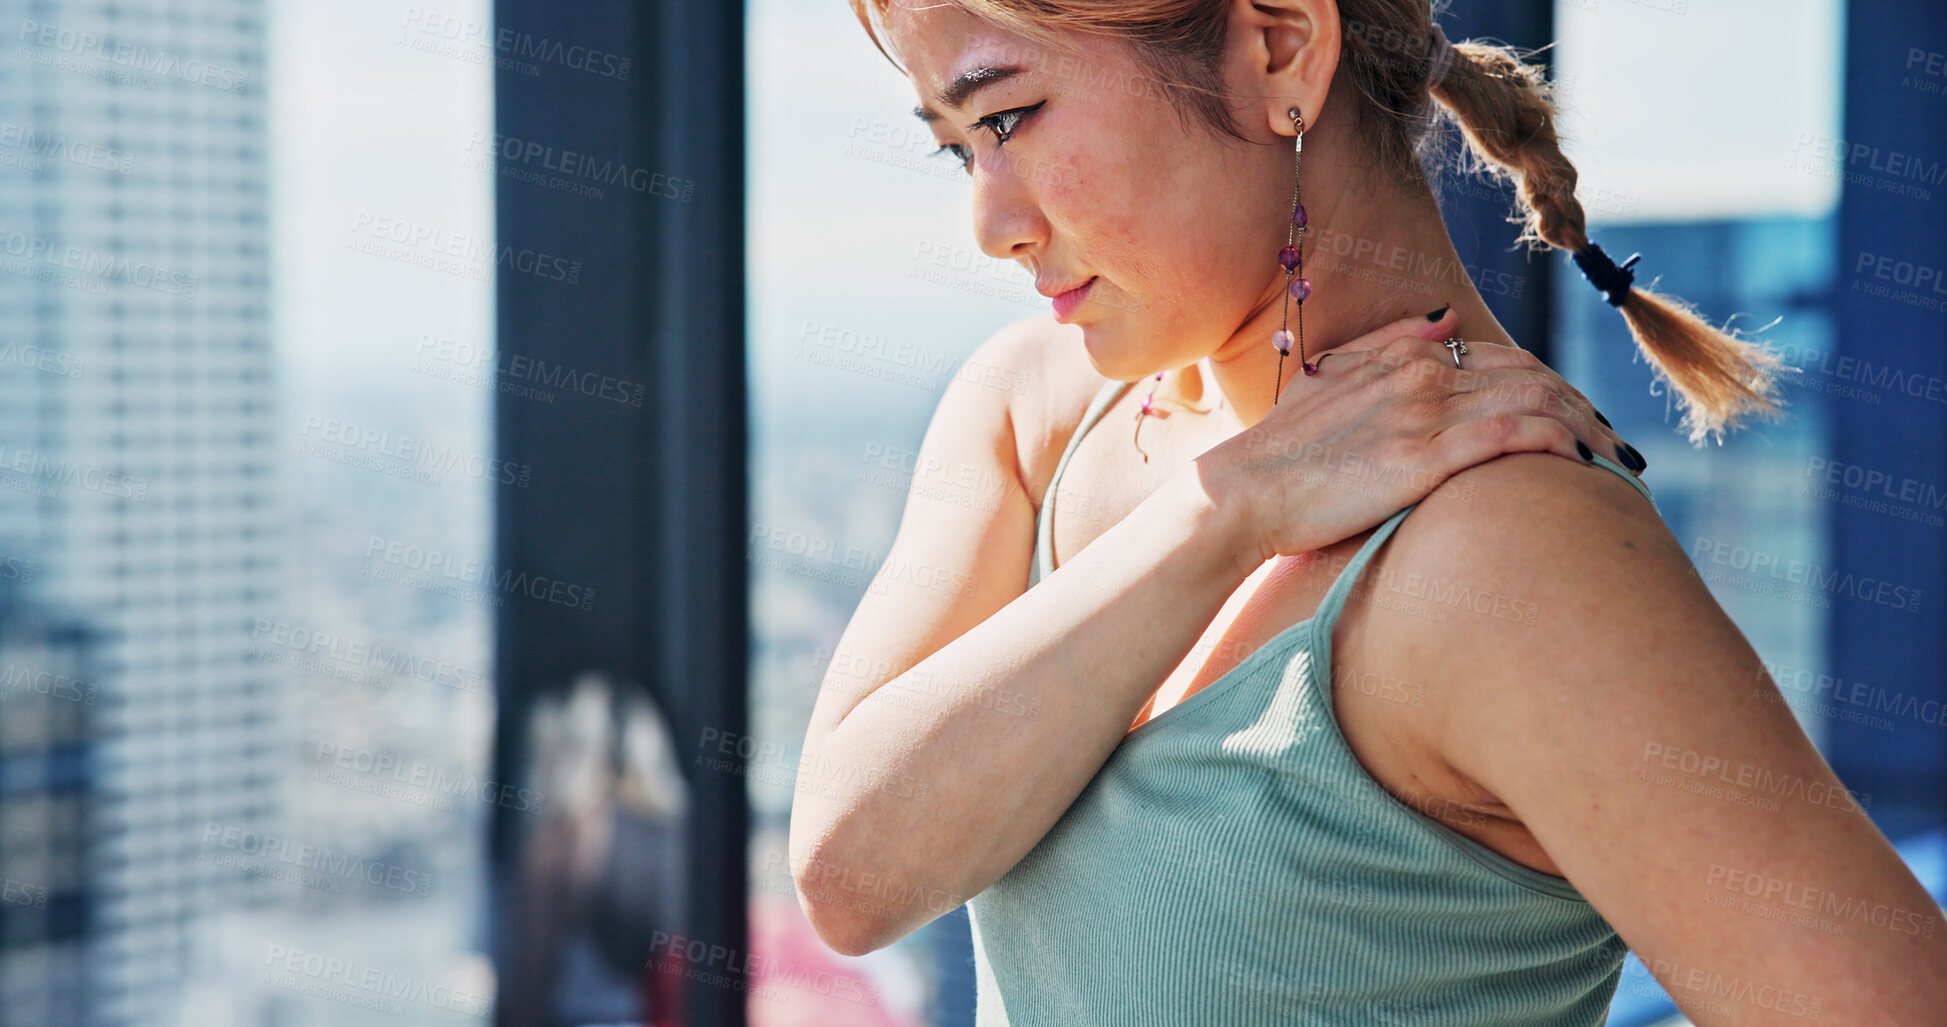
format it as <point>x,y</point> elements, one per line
<point>1173,224</point>
<point>1121,221</point>
<point>1195,250</point>
<point>1096,205</point>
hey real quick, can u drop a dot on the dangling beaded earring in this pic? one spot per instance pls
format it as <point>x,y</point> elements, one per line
<point>1292,259</point>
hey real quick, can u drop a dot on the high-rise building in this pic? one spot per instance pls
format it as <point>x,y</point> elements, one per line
<point>136,443</point>
<point>47,703</point>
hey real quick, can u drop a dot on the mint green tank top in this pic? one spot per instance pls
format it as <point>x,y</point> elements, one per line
<point>1232,863</point>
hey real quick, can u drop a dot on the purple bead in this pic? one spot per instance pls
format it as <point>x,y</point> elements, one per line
<point>1300,289</point>
<point>1298,216</point>
<point>1288,257</point>
<point>1281,341</point>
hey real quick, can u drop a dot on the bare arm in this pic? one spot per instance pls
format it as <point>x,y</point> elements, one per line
<point>962,714</point>
<point>1637,736</point>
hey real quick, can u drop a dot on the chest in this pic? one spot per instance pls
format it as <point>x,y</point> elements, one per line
<point>1107,477</point>
<point>1384,726</point>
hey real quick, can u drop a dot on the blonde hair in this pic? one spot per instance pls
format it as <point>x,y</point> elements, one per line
<point>1504,108</point>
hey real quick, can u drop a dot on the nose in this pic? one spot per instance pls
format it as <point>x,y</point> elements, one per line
<point>1008,223</point>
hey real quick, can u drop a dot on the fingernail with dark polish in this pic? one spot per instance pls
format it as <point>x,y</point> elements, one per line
<point>1588,455</point>
<point>1438,314</point>
<point>1604,420</point>
<point>1626,457</point>
<point>1641,463</point>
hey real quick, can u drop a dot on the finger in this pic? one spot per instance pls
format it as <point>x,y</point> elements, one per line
<point>1416,326</point>
<point>1486,367</point>
<point>1479,439</point>
<point>1435,356</point>
<point>1523,391</point>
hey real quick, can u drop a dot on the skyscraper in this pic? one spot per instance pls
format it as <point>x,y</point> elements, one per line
<point>47,703</point>
<point>137,477</point>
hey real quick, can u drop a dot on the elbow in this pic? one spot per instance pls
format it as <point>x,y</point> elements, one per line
<point>841,914</point>
<point>845,931</point>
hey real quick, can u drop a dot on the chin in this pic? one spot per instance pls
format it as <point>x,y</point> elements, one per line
<point>1112,355</point>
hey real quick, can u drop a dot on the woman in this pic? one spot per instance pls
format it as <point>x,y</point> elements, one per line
<point>1257,747</point>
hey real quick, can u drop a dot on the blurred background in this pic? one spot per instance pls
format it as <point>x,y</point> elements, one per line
<point>440,447</point>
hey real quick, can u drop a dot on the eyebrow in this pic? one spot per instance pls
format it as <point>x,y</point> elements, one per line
<point>963,87</point>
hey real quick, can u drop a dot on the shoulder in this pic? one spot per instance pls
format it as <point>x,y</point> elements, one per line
<point>1546,603</point>
<point>1512,577</point>
<point>1049,384</point>
<point>1591,685</point>
<point>1538,521</point>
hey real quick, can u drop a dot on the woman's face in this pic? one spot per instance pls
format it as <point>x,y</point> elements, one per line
<point>1176,229</point>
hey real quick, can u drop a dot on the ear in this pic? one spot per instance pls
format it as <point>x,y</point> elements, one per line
<point>1282,54</point>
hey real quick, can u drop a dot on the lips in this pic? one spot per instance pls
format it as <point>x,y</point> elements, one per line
<point>1050,288</point>
<point>1069,299</point>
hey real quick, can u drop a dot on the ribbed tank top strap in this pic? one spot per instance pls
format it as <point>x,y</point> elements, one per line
<point>1627,475</point>
<point>1044,522</point>
<point>1334,601</point>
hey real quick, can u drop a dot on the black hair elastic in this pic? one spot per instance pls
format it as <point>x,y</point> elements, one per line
<point>1605,275</point>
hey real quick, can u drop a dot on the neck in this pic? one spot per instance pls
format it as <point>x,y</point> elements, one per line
<point>1374,255</point>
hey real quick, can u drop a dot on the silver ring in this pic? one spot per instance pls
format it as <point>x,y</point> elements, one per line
<point>1457,346</point>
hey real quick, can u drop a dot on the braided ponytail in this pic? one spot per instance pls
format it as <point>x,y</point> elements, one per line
<point>1505,109</point>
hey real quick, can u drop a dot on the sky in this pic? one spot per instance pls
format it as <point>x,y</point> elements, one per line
<point>362,125</point>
